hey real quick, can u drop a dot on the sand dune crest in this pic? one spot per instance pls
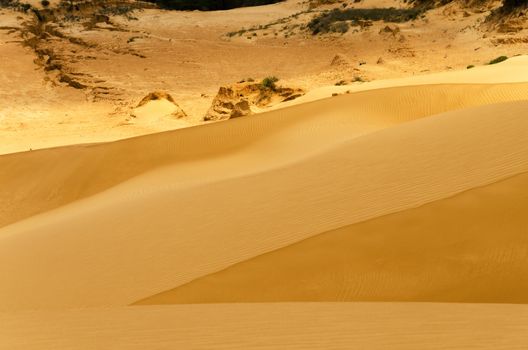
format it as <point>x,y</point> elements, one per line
<point>47,179</point>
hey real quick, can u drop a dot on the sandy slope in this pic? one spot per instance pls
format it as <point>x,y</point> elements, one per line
<point>515,70</point>
<point>403,326</point>
<point>51,178</point>
<point>414,192</point>
<point>198,229</point>
<point>448,251</point>
<point>396,191</point>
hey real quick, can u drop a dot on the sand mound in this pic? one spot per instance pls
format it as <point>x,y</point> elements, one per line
<point>390,29</point>
<point>340,61</point>
<point>158,104</point>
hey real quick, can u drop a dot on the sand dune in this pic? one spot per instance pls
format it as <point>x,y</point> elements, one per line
<point>47,179</point>
<point>402,326</point>
<point>408,193</point>
<point>376,215</point>
<point>103,237</point>
<point>512,71</point>
<point>446,251</point>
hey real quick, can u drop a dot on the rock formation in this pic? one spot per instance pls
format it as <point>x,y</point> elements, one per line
<point>236,100</point>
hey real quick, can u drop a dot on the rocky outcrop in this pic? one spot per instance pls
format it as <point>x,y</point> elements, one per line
<point>236,100</point>
<point>228,104</point>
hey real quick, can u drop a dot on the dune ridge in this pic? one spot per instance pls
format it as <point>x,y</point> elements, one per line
<point>512,71</point>
<point>47,179</point>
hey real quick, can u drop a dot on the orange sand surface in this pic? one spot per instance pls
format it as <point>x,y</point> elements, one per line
<point>388,214</point>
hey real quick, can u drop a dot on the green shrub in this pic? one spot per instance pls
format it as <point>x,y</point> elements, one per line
<point>429,3</point>
<point>117,10</point>
<point>498,60</point>
<point>326,22</point>
<point>511,4</point>
<point>15,5</point>
<point>269,83</point>
<point>239,32</point>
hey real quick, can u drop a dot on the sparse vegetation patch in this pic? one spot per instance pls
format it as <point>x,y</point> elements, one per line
<point>498,60</point>
<point>337,19</point>
<point>15,5</point>
<point>513,4</point>
<point>269,83</point>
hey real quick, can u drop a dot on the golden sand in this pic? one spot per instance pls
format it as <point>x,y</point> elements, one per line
<point>381,215</point>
